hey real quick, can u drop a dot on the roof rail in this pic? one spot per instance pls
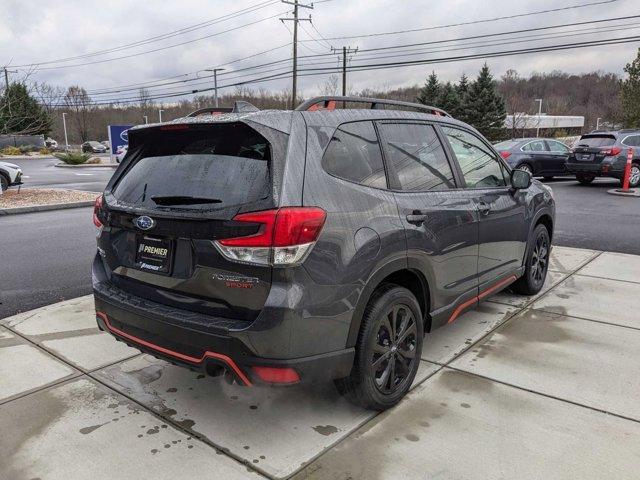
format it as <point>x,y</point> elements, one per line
<point>239,106</point>
<point>329,103</point>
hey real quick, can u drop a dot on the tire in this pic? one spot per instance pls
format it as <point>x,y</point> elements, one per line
<point>376,382</point>
<point>547,178</point>
<point>4,182</point>
<point>537,263</point>
<point>526,167</point>
<point>585,178</point>
<point>634,178</point>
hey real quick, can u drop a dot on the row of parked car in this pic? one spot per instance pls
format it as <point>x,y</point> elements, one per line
<point>596,154</point>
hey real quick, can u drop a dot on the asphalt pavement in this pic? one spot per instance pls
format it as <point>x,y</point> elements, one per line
<point>588,217</point>
<point>41,172</point>
<point>45,257</point>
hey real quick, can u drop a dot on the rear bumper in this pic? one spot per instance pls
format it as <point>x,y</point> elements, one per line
<point>604,169</point>
<point>209,345</point>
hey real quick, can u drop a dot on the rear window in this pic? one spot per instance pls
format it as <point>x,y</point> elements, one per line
<point>197,167</point>
<point>596,141</point>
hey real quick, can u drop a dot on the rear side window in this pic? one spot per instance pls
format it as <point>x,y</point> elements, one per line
<point>480,166</point>
<point>415,154</point>
<point>557,147</point>
<point>597,141</point>
<point>197,167</point>
<point>534,146</point>
<point>632,141</point>
<point>354,154</point>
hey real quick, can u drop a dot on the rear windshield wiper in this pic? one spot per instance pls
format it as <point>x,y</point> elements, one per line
<point>184,200</point>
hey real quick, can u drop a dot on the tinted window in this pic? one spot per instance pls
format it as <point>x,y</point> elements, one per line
<point>596,141</point>
<point>416,156</point>
<point>224,164</point>
<point>479,165</point>
<point>557,147</point>
<point>535,146</point>
<point>632,141</point>
<point>354,154</point>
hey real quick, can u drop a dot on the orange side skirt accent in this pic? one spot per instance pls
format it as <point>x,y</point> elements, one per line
<point>473,300</point>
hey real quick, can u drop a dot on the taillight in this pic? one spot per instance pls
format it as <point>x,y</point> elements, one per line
<point>97,211</point>
<point>285,236</point>
<point>505,154</point>
<point>611,152</point>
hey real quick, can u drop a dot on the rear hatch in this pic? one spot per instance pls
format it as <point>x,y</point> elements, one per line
<point>593,148</point>
<point>179,189</point>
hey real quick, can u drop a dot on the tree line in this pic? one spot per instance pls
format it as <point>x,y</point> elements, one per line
<point>36,108</point>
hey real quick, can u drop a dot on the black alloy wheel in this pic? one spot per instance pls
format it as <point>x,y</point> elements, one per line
<point>537,264</point>
<point>387,351</point>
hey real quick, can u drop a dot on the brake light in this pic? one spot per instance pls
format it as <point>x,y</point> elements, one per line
<point>97,210</point>
<point>611,152</point>
<point>505,154</point>
<point>285,236</point>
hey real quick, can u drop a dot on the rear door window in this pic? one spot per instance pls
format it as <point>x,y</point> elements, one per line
<point>197,167</point>
<point>557,147</point>
<point>354,154</point>
<point>632,141</point>
<point>416,156</point>
<point>534,146</point>
<point>596,141</point>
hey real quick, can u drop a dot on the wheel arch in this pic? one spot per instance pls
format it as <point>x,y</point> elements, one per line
<point>397,273</point>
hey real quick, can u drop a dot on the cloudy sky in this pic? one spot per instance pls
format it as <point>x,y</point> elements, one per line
<point>75,34</point>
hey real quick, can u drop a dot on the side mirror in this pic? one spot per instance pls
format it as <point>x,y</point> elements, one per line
<point>520,179</point>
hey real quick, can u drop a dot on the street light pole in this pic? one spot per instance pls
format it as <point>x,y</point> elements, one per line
<point>215,81</point>
<point>64,125</point>
<point>160,114</point>
<point>539,100</point>
<point>598,123</point>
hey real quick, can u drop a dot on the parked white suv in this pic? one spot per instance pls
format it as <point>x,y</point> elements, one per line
<point>10,174</point>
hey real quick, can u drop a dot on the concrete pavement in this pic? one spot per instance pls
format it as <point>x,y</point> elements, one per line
<point>526,388</point>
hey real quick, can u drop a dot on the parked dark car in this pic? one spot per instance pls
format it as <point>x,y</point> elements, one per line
<point>604,154</point>
<point>292,246</point>
<point>541,157</point>
<point>93,147</point>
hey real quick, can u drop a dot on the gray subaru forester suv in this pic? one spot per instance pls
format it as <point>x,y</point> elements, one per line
<point>281,247</point>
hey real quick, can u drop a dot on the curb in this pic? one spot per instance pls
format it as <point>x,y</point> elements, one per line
<point>92,165</point>
<point>633,192</point>
<point>44,208</point>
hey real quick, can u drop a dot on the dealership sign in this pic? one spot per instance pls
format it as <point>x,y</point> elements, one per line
<point>118,137</point>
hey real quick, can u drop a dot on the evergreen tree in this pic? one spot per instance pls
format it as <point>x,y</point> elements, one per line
<point>485,107</point>
<point>449,100</point>
<point>462,89</point>
<point>430,93</point>
<point>20,113</point>
<point>630,94</point>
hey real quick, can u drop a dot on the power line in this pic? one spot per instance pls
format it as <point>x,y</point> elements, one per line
<point>296,4</point>
<point>473,22</point>
<point>164,36</point>
<point>400,50</point>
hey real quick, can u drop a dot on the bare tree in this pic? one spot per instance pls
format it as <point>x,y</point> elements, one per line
<point>330,85</point>
<point>79,102</point>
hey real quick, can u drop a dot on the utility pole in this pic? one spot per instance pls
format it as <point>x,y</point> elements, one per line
<point>6,77</point>
<point>160,114</point>
<point>215,81</point>
<point>295,20</point>
<point>539,100</point>
<point>345,52</point>
<point>64,125</point>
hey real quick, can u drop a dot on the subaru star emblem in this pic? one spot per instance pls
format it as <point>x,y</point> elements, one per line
<point>144,222</point>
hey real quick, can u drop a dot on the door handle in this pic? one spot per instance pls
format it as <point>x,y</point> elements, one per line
<point>416,217</point>
<point>484,208</point>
